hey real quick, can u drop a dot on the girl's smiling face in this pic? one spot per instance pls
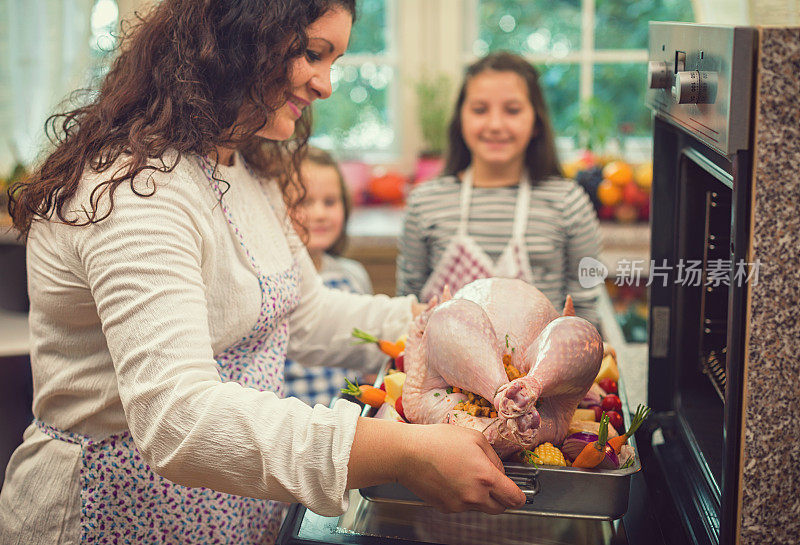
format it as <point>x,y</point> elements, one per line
<point>310,74</point>
<point>322,210</point>
<point>497,118</point>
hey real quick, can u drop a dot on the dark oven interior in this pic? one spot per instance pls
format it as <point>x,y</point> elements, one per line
<point>703,252</point>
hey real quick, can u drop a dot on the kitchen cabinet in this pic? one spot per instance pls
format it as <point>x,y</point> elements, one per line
<point>13,296</point>
<point>16,388</point>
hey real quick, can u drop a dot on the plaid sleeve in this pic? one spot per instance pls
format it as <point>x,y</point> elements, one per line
<point>319,385</point>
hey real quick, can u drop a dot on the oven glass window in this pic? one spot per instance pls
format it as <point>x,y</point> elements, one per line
<point>702,277</point>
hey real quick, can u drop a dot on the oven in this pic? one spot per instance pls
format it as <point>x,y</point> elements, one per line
<point>700,90</point>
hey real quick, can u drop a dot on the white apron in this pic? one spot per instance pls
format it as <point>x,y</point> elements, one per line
<point>464,261</point>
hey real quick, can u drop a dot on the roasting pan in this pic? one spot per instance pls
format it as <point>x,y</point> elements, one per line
<point>550,491</point>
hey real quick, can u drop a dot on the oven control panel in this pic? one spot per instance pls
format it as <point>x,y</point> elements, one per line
<point>700,78</point>
<point>694,87</point>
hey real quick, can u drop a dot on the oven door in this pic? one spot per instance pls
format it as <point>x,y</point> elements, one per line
<point>699,235</point>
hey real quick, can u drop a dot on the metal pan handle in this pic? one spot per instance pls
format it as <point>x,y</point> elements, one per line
<point>528,483</point>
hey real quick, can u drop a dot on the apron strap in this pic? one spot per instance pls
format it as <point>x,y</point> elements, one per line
<point>523,207</point>
<point>466,197</point>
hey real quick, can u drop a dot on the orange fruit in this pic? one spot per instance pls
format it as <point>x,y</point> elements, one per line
<point>643,175</point>
<point>618,172</point>
<point>609,193</point>
<point>570,169</point>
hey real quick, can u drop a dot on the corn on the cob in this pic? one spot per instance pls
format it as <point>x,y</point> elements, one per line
<point>548,455</point>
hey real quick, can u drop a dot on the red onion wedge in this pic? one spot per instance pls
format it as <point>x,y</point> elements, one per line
<point>573,445</point>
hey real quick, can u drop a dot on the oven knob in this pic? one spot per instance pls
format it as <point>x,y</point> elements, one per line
<point>695,87</point>
<point>658,75</point>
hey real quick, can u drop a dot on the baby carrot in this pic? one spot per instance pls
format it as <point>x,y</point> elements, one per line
<point>387,347</point>
<point>374,397</point>
<point>642,412</point>
<point>593,453</point>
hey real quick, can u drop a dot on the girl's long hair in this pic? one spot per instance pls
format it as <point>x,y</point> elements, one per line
<point>541,157</point>
<point>190,75</point>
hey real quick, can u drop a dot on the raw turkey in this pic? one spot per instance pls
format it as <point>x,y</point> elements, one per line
<point>461,342</point>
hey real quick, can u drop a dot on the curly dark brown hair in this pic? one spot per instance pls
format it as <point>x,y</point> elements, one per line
<point>541,157</point>
<point>189,76</point>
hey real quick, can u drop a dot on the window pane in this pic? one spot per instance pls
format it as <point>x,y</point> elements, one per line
<point>622,24</point>
<point>528,26</point>
<point>560,86</point>
<point>369,32</point>
<point>622,87</point>
<point>103,41</point>
<point>357,116</point>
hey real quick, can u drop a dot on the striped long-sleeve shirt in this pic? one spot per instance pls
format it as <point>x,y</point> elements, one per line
<point>562,229</point>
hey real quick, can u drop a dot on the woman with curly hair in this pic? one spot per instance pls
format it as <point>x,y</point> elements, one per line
<point>167,286</point>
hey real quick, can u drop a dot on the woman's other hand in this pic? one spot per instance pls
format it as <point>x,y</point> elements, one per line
<point>453,469</point>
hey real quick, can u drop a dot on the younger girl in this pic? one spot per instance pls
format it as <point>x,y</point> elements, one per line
<point>502,208</point>
<point>322,217</point>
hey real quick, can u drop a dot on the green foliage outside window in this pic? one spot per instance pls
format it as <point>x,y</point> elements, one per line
<point>369,32</point>
<point>622,87</point>
<point>560,86</point>
<point>621,24</point>
<point>552,28</point>
<point>529,26</point>
<point>358,115</point>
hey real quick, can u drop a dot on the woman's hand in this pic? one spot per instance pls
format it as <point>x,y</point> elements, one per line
<point>454,469</point>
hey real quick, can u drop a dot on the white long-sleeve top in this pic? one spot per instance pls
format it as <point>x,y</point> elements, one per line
<point>126,316</point>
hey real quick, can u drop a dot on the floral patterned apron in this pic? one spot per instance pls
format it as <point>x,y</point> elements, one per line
<point>124,502</point>
<point>464,261</point>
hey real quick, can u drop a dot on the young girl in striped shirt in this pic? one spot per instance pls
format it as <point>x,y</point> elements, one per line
<point>502,207</point>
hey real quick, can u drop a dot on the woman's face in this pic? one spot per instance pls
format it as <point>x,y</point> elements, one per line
<point>322,211</point>
<point>310,74</point>
<point>497,118</point>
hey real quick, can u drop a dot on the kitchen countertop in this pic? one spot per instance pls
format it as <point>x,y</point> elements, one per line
<point>632,358</point>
